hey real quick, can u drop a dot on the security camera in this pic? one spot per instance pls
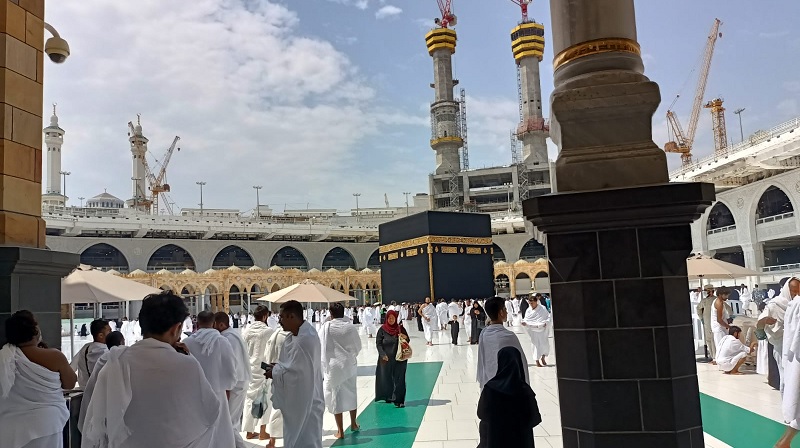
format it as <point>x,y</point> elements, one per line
<point>57,49</point>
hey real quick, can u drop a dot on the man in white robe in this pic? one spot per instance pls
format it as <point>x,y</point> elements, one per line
<point>368,320</point>
<point>537,325</point>
<point>297,381</point>
<point>88,390</point>
<point>242,376</point>
<point>340,346</point>
<point>468,319</point>
<point>361,317</point>
<point>256,337</point>
<point>731,352</point>
<point>509,312</point>
<point>771,319</point>
<point>514,310</point>
<point>275,421</point>
<point>113,325</point>
<point>442,315</point>
<point>429,320</point>
<point>137,331</point>
<point>215,355</point>
<point>704,312</point>
<point>154,394</point>
<point>188,327</point>
<point>127,330</point>
<point>32,407</point>
<point>83,362</point>
<point>791,368</point>
<point>493,338</point>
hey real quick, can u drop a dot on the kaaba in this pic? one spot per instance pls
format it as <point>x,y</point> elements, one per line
<point>438,255</point>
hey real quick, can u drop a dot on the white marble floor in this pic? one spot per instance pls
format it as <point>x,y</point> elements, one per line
<point>450,419</point>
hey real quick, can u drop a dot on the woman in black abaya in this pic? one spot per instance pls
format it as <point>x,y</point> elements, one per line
<point>478,322</point>
<point>390,374</point>
<point>507,408</point>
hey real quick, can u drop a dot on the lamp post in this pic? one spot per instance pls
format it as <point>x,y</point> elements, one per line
<point>356,195</point>
<point>201,196</point>
<point>258,201</point>
<point>406,193</point>
<point>739,113</point>
<point>64,174</point>
<point>81,199</point>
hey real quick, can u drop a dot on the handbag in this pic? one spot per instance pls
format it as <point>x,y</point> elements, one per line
<point>259,406</point>
<point>403,348</point>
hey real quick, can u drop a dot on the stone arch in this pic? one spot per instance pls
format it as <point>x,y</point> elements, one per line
<point>338,258</point>
<point>374,261</point>
<point>501,283</point>
<point>232,256</point>
<point>289,257</point>
<point>532,250</point>
<point>171,257</point>
<point>497,253</point>
<point>542,274</point>
<point>720,216</point>
<point>523,284</point>
<point>105,256</point>
<point>235,296</point>
<point>275,287</point>
<point>772,202</point>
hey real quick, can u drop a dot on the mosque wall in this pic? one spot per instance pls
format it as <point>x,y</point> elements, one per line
<point>749,232</point>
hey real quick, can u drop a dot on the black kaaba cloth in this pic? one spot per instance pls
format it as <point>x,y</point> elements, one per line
<point>438,255</point>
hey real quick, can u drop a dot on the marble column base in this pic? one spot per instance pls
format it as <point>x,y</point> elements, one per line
<point>602,123</point>
<point>30,279</point>
<point>621,313</point>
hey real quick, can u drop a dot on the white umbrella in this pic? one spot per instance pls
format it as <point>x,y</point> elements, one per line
<point>703,266</point>
<point>86,285</point>
<point>307,291</point>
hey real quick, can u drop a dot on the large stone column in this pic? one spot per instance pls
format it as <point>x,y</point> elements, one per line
<point>30,275</point>
<point>617,237</point>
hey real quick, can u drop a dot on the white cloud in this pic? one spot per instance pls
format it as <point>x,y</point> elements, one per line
<point>388,11</point>
<point>254,101</point>
<point>360,4</point>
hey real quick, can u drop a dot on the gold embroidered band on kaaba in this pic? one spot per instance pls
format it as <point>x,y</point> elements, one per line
<point>432,239</point>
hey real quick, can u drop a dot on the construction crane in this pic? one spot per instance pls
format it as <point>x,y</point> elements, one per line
<point>523,4</point>
<point>718,123</point>
<point>682,142</point>
<point>448,18</point>
<point>158,185</point>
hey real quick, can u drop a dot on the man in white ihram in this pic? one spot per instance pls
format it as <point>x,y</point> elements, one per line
<point>87,356</point>
<point>441,315</point>
<point>154,394</point>
<point>510,312</point>
<point>237,394</point>
<point>188,327</point>
<point>297,381</point>
<point>340,346</point>
<point>215,355</point>
<point>429,320</point>
<point>771,320</point>
<point>536,323</point>
<point>256,338</point>
<point>369,320</point>
<point>493,338</point>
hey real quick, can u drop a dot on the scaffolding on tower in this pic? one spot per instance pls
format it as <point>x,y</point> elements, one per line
<point>463,128</point>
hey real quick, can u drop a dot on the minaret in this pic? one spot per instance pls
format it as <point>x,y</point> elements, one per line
<point>53,139</point>
<point>445,134</point>
<point>527,45</point>
<point>138,141</point>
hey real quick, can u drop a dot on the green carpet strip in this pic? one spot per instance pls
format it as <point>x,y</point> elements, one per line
<point>383,425</point>
<point>739,427</point>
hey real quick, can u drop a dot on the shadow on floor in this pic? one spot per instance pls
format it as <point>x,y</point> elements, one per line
<point>415,403</point>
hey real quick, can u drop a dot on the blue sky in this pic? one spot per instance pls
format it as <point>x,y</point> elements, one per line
<point>317,99</point>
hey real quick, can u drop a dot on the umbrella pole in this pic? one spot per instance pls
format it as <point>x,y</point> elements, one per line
<point>71,330</point>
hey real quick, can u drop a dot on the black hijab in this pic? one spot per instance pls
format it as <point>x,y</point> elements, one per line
<point>510,376</point>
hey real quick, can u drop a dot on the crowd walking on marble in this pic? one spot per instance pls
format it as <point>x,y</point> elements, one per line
<point>171,379</point>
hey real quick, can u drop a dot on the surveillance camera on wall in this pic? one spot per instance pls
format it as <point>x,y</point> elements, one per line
<point>57,49</point>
